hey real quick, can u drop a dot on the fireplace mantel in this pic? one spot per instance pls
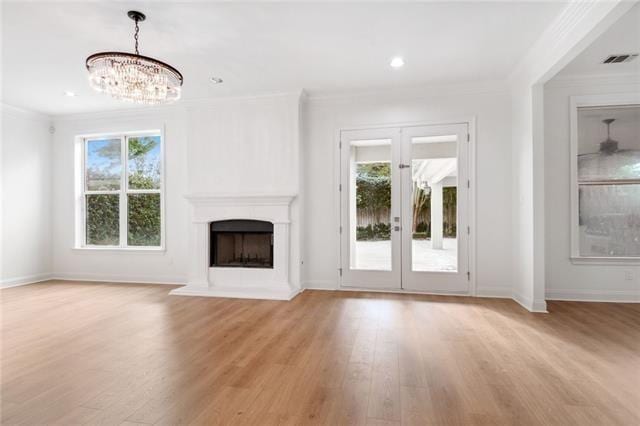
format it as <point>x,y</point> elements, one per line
<point>239,282</point>
<point>240,199</point>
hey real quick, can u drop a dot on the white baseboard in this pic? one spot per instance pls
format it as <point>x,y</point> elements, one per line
<point>585,295</point>
<point>489,292</point>
<point>320,285</point>
<point>538,306</point>
<point>29,279</point>
<point>495,292</point>
<point>113,278</point>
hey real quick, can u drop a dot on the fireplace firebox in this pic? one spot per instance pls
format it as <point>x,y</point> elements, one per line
<point>241,243</point>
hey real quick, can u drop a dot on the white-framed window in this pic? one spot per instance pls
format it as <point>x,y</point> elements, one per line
<point>605,179</point>
<point>120,191</point>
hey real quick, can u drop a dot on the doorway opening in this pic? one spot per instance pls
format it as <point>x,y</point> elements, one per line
<point>403,205</point>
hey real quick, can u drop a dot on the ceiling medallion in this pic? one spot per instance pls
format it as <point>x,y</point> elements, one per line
<point>133,77</point>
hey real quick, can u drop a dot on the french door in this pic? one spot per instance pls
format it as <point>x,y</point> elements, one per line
<point>404,208</point>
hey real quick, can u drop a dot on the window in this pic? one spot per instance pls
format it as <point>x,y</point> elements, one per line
<point>606,194</point>
<point>121,193</point>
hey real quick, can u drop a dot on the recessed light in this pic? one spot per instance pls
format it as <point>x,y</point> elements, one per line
<point>397,62</point>
<point>216,80</point>
<point>69,93</point>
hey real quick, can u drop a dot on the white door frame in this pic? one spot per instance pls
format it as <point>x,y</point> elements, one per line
<point>471,122</point>
<point>362,278</point>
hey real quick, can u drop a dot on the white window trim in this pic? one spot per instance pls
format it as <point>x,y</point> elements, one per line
<point>81,192</point>
<point>575,102</point>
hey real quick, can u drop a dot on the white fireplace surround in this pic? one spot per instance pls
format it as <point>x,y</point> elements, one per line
<point>249,283</point>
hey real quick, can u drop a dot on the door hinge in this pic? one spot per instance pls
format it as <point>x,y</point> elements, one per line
<point>468,230</point>
<point>340,271</point>
<point>468,137</point>
<point>340,187</point>
<point>341,229</point>
<point>340,144</point>
<point>468,276</point>
<point>468,184</point>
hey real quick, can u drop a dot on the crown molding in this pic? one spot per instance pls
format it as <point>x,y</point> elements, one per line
<point>181,106</point>
<point>129,113</point>
<point>24,113</point>
<point>412,92</point>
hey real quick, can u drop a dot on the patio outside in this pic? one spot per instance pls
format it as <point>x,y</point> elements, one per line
<point>376,255</point>
<point>433,204</point>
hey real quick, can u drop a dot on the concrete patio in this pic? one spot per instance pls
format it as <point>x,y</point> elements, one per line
<point>376,255</point>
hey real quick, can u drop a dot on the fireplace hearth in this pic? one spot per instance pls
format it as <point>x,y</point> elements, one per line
<point>241,244</point>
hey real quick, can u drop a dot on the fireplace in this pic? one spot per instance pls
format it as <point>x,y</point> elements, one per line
<point>241,244</point>
<point>250,257</point>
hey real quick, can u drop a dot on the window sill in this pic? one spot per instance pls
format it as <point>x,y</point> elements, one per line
<point>579,260</point>
<point>147,250</point>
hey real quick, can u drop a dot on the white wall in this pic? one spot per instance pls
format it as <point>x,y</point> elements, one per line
<point>226,146</point>
<point>565,280</point>
<point>244,145</point>
<point>570,33</point>
<point>528,196</point>
<point>26,197</point>
<point>324,117</point>
<point>161,267</point>
<point>249,146</point>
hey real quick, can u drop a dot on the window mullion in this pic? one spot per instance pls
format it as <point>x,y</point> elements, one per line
<point>83,211</point>
<point>123,191</point>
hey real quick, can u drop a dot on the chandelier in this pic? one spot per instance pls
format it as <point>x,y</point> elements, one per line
<point>133,77</point>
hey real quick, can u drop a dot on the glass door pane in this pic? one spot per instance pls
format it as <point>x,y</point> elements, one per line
<point>434,182</point>
<point>370,204</point>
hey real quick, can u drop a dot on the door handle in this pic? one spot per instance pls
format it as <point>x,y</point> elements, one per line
<point>403,166</point>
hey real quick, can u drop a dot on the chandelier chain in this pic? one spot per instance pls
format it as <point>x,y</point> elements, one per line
<point>135,36</point>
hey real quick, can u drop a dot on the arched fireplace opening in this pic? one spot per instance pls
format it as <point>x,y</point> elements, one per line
<point>241,243</point>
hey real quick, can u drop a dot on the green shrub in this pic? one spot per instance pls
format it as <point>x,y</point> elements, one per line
<point>377,232</point>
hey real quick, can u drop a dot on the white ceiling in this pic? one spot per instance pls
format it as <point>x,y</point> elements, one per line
<point>622,37</point>
<point>264,47</point>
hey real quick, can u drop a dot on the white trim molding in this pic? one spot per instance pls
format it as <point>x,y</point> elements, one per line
<point>588,295</point>
<point>120,278</point>
<point>494,292</point>
<point>538,306</point>
<point>29,279</point>
<point>321,285</point>
<point>24,113</point>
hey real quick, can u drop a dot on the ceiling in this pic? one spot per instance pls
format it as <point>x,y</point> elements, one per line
<point>622,37</point>
<point>264,47</point>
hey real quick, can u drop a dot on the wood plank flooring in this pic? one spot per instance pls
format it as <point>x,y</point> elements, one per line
<point>86,353</point>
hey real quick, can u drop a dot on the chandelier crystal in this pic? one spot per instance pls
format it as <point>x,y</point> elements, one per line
<point>133,77</point>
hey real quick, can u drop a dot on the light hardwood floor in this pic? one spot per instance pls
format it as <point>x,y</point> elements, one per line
<point>81,353</point>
